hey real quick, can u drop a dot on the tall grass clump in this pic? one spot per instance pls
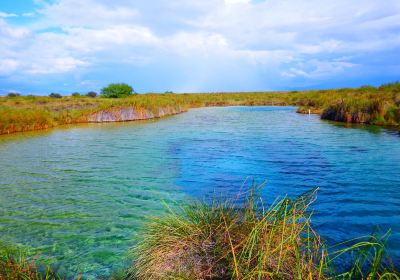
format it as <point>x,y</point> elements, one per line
<point>246,240</point>
<point>15,264</point>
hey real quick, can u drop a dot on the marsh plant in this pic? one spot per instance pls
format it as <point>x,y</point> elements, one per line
<point>233,239</point>
<point>16,263</point>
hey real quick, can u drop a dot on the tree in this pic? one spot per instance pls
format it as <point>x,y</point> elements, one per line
<point>13,94</point>
<point>91,94</point>
<point>76,94</point>
<point>117,90</point>
<point>55,95</point>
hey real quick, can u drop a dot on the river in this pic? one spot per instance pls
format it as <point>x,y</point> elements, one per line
<point>80,193</point>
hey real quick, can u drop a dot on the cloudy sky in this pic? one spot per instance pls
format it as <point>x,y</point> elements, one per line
<point>197,45</point>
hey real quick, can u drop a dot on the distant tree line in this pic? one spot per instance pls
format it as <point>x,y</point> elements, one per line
<point>116,90</point>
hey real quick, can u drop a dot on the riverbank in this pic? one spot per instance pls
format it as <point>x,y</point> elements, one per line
<point>368,105</point>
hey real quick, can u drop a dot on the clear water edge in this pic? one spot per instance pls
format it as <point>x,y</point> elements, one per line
<point>81,194</point>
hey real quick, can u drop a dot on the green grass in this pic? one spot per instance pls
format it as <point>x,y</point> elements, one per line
<point>224,240</point>
<point>17,264</point>
<point>379,106</point>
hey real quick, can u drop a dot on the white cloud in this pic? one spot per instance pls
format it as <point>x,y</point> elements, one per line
<point>311,39</point>
<point>6,15</point>
<point>8,66</point>
<point>88,13</point>
<point>30,14</point>
<point>314,69</point>
<point>54,65</point>
<point>237,1</point>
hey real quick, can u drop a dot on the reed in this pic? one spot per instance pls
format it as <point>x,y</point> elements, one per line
<point>16,264</point>
<point>244,240</point>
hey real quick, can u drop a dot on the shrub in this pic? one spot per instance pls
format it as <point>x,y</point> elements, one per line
<point>91,94</point>
<point>13,94</point>
<point>117,90</point>
<point>55,95</point>
<point>169,92</point>
<point>76,94</point>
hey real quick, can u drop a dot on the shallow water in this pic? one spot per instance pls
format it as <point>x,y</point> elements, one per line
<point>80,194</point>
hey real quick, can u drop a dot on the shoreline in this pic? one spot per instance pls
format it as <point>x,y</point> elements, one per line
<point>131,114</point>
<point>371,106</point>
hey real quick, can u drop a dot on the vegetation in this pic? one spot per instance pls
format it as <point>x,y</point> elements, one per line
<point>233,239</point>
<point>370,105</point>
<point>55,95</point>
<point>15,265</point>
<point>13,94</point>
<point>117,91</point>
<point>223,240</point>
<point>76,94</point>
<point>92,94</point>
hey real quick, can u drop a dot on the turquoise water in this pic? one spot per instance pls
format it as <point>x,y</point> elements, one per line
<point>80,194</point>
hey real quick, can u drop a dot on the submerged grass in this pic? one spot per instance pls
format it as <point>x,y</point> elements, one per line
<point>232,240</point>
<point>15,264</point>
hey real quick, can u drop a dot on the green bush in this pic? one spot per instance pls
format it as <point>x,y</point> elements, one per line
<point>117,90</point>
<point>13,94</point>
<point>76,94</point>
<point>92,94</point>
<point>55,95</point>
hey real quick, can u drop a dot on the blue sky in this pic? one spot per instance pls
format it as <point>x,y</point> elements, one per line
<point>192,46</point>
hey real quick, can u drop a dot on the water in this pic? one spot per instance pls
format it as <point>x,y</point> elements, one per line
<point>80,194</point>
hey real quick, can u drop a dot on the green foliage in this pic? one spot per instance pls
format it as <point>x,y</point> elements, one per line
<point>117,90</point>
<point>91,94</point>
<point>55,95</point>
<point>13,94</point>
<point>76,94</point>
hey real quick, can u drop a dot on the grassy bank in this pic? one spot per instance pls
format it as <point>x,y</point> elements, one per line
<point>234,239</point>
<point>379,106</point>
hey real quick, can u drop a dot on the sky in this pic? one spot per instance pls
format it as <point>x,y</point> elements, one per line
<point>197,45</point>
